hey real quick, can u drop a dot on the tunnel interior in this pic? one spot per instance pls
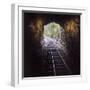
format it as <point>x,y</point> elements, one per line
<point>51,44</point>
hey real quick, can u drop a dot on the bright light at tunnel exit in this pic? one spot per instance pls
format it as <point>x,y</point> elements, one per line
<point>52,36</point>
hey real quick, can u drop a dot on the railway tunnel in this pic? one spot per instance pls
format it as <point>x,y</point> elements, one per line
<point>50,44</point>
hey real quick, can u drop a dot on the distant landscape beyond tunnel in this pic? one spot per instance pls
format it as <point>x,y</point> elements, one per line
<point>51,44</point>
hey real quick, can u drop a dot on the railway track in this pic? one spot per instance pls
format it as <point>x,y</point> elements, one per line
<point>56,63</point>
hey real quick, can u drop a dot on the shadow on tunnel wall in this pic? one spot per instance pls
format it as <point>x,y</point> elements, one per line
<point>33,23</point>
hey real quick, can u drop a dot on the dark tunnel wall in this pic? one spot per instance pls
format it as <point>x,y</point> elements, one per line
<point>33,33</point>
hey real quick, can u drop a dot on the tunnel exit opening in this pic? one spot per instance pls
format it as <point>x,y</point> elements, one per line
<point>53,36</point>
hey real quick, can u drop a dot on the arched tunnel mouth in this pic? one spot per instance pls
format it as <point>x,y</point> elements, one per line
<point>52,35</point>
<point>51,44</point>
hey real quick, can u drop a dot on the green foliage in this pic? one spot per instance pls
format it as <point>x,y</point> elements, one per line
<point>52,30</point>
